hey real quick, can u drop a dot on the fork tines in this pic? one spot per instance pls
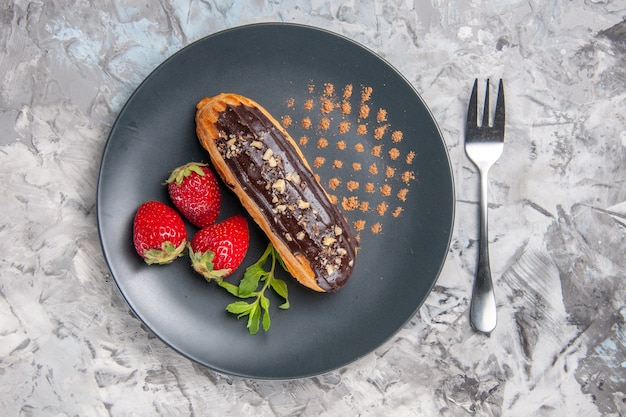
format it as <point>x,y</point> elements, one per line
<point>499,116</point>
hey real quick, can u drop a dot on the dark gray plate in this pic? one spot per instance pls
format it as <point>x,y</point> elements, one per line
<point>395,268</point>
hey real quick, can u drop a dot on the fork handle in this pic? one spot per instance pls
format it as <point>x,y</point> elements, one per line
<point>483,315</point>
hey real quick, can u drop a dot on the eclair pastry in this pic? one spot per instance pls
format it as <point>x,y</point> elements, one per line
<point>262,164</point>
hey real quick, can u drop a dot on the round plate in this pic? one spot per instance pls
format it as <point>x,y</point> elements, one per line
<point>375,147</point>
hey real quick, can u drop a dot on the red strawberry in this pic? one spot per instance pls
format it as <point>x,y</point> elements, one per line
<point>218,249</point>
<point>195,192</point>
<point>159,233</point>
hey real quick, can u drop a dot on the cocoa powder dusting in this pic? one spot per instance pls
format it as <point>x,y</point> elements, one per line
<point>327,105</point>
<point>366,94</point>
<point>346,108</point>
<point>329,89</point>
<point>352,185</point>
<point>319,161</point>
<point>402,194</point>
<point>408,176</point>
<point>359,225</point>
<point>364,111</point>
<point>347,91</point>
<point>381,116</point>
<point>350,203</point>
<point>379,132</point>
<point>394,153</point>
<point>327,100</point>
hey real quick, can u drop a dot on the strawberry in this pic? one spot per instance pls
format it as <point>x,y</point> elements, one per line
<point>159,233</point>
<point>195,192</point>
<point>218,249</point>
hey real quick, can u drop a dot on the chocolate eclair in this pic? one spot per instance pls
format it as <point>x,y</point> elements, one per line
<point>262,164</point>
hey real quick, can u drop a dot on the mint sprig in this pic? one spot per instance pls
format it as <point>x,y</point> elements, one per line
<point>258,310</point>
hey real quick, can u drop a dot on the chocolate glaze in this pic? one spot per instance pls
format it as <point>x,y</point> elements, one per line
<point>271,172</point>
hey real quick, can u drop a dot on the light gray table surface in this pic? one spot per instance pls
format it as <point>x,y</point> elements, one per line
<point>69,345</point>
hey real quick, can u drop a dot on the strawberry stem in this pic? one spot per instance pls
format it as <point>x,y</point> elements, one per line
<point>202,262</point>
<point>179,174</point>
<point>165,255</point>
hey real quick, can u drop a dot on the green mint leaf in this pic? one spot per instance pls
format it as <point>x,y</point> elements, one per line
<point>250,280</point>
<point>265,305</point>
<point>258,311</point>
<point>280,287</point>
<point>266,314</point>
<point>240,308</point>
<point>232,289</point>
<point>265,302</point>
<point>254,318</point>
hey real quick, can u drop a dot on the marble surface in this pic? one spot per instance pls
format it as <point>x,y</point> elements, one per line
<point>69,344</point>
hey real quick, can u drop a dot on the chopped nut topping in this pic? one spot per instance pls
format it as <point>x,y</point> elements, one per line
<point>327,240</point>
<point>279,185</point>
<point>288,237</point>
<point>256,144</point>
<point>303,204</point>
<point>293,177</point>
<point>341,252</point>
<point>268,154</point>
<point>338,231</point>
<point>300,235</point>
<point>281,208</point>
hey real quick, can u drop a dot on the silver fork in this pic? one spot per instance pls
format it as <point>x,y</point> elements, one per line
<point>483,146</point>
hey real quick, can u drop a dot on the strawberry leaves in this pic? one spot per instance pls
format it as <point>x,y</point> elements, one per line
<point>258,310</point>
